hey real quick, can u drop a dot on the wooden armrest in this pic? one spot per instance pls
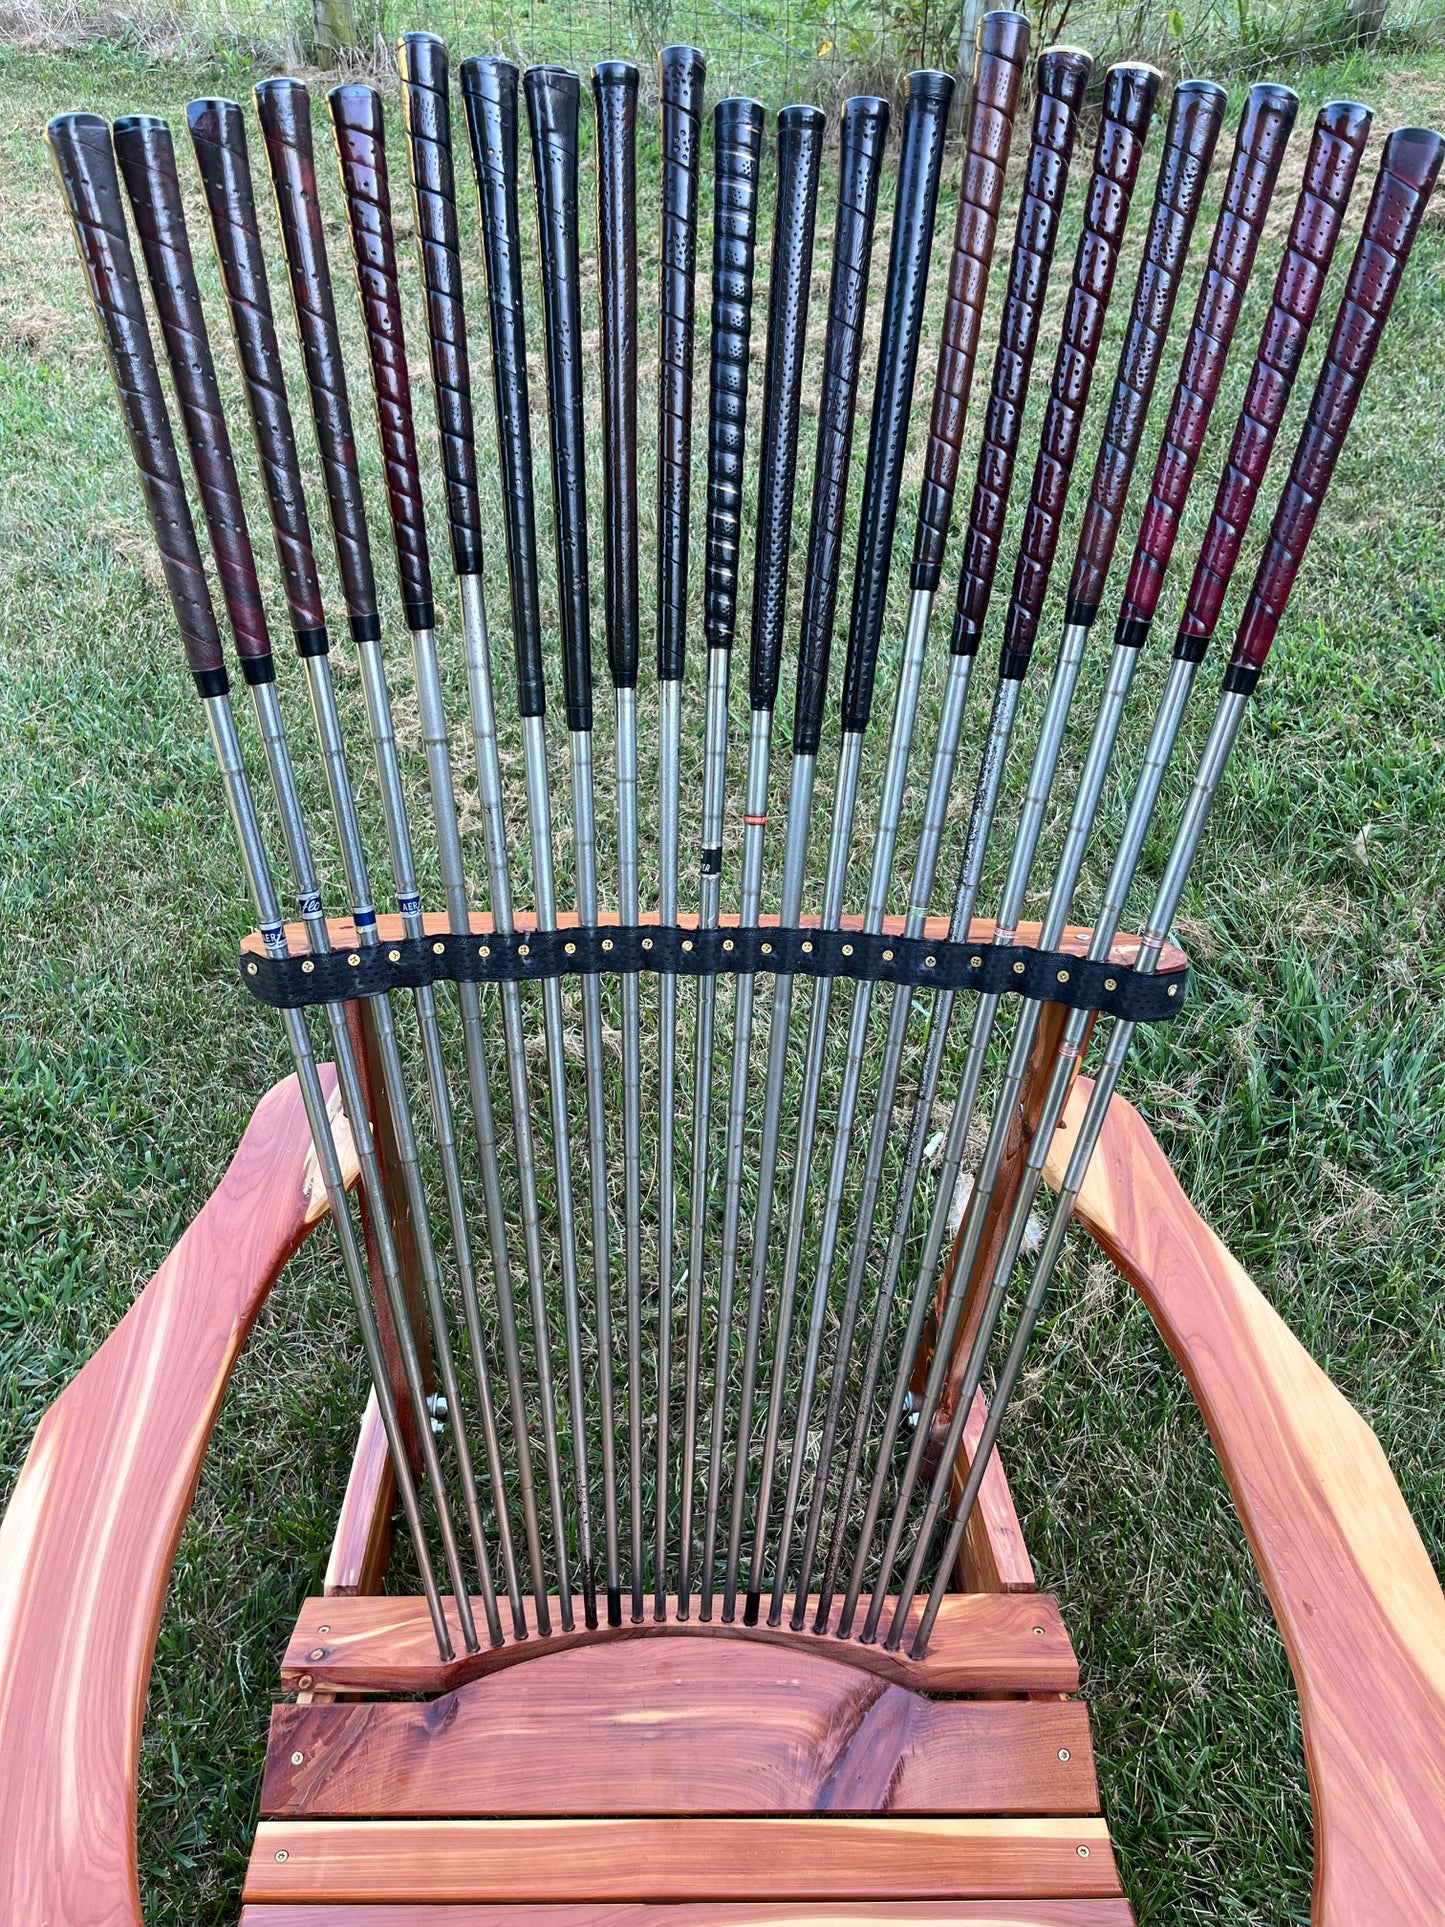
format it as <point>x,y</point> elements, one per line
<point>1351,1585</point>
<point>89,1537</point>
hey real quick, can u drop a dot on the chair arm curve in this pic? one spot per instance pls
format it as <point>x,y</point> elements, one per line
<point>90,1534</point>
<point>1350,1583</point>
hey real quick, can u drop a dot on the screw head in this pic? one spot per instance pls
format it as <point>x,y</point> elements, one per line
<point>298,1759</point>
<point>1083,1853</point>
<point>281,1854</point>
<point>323,1629</point>
<point>1038,1632</point>
<point>438,949</point>
<point>1064,1753</point>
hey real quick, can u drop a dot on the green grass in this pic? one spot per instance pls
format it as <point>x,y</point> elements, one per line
<point>1299,1098</point>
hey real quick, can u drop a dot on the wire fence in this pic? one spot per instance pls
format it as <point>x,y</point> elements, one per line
<point>776,49</point>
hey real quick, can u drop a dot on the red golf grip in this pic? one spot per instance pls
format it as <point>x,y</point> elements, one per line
<point>1195,115</point>
<point>925,123</point>
<point>800,154</point>
<point>681,71</point>
<point>1264,132</point>
<point>218,140</point>
<point>614,101</point>
<point>552,103</point>
<point>1060,79</point>
<point>360,130</point>
<point>737,159</point>
<point>489,89</point>
<point>1408,172</point>
<point>283,108</point>
<point>1338,144</point>
<point>85,165</point>
<point>863,136</point>
<point>1003,46</point>
<point>1129,93</point>
<point>426,115</point>
<point>147,163</point>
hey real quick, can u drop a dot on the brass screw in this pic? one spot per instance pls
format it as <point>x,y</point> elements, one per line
<point>307,968</point>
<point>394,956</point>
<point>524,950</point>
<point>1019,969</point>
<point>298,1759</point>
<point>570,948</point>
<point>767,950</point>
<point>354,961</point>
<point>1173,990</point>
<point>847,950</point>
<point>607,943</point>
<point>727,943</point>
<point>1111,983</point>
<point>647,943</point>
<point>1063,976</point>
<point>484,951</point>
<point>687,943</point>
<point>438,949</point>
<point>250,970</point>
<point>887,956</point>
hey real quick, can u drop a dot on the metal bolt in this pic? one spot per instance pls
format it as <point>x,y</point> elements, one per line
<point>281,1854</point>
<point>1083,1853</point>
<point>298,1759</point>
<point>1064,1753</point>
<point>1038,1632</point>
<point>323,1629</point>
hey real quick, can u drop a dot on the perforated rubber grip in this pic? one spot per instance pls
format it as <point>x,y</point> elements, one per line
<point>552,104</point>
<point>863,137</point>
<point>147,162</point>
<point>284,110</point>
<point>1195,115</point>
<point>426,115</point>
<point>489,89</point>
<point>360,131</point>
<point>681,72</point>
<point>614,100</point>
<point>1003,46</point>
<point>1408,172</point>
<point>925,123</point>
<point>1341,130</point>
<point>85,166</point>
<point>218,140</point>
<point>1129,93</point>
<point>800,154</point>
<point>737,158</point>
<point>1060,79</point>
<point>1264,132</point>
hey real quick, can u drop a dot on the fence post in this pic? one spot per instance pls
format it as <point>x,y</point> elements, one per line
<point>334,30</point>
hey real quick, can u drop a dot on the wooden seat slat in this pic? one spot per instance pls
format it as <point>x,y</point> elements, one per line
<point>773,1860</point>
<point>982,1643</point>
<point>703,1726</point>
<point>966,1913</point>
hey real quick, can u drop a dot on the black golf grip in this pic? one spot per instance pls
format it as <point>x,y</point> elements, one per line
<point>1341,131</point>
<point>1003,47</point>
<point>283,108</point>
<point>1264,132</point>
<point>1129,93</point>
<point>614,101</point>
<point>800,153</point>
<point>426,115</point>
<point>360,130</point>
<point>489,89</point>
<point>552,106</point>
<point>863,137</point>
<point>218,140</point>
<point>1060,79</point>
<point>85,166</point>
<point>925,124</point>
<point>1195,115</point>
<point>1407,176</point>
<point>681,71</point>
<point>737,159</point>
<point>147,164</point>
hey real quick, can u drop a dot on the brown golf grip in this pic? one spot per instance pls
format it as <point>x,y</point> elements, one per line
<point>1408,172</point>
<point>1264,132</point>
<point>148,168</point>
<point>85,165</point>
<point>360,131</point>
<point>1003,46</point>
<point>1060,79</point>
<point>218,140</point>
<point>1195,115</point>
<point>1341,131</point>
<point>426,115</point>
<point>283,108</point>
<point>1129,93</point>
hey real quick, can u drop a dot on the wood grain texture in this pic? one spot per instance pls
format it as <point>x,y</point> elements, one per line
<point>964,1913</point>
<point>982,1643</point>
<point>87,1542</point>
<point>773,1860</point>
<point>1351,1585</point>
<point>703,1728</point>
<point>361,1546</point>
<point>994,1557</point>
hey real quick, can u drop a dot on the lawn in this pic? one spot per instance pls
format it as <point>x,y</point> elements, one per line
<point>1301,1097</point>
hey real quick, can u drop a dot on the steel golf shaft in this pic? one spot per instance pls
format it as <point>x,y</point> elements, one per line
<point>924,127</point>
<point>553,97</point>
<point>863,134</point>
<point>737,148</point>
<point>614,94</point>
<point>800,142</point>
<point>426,113</point>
